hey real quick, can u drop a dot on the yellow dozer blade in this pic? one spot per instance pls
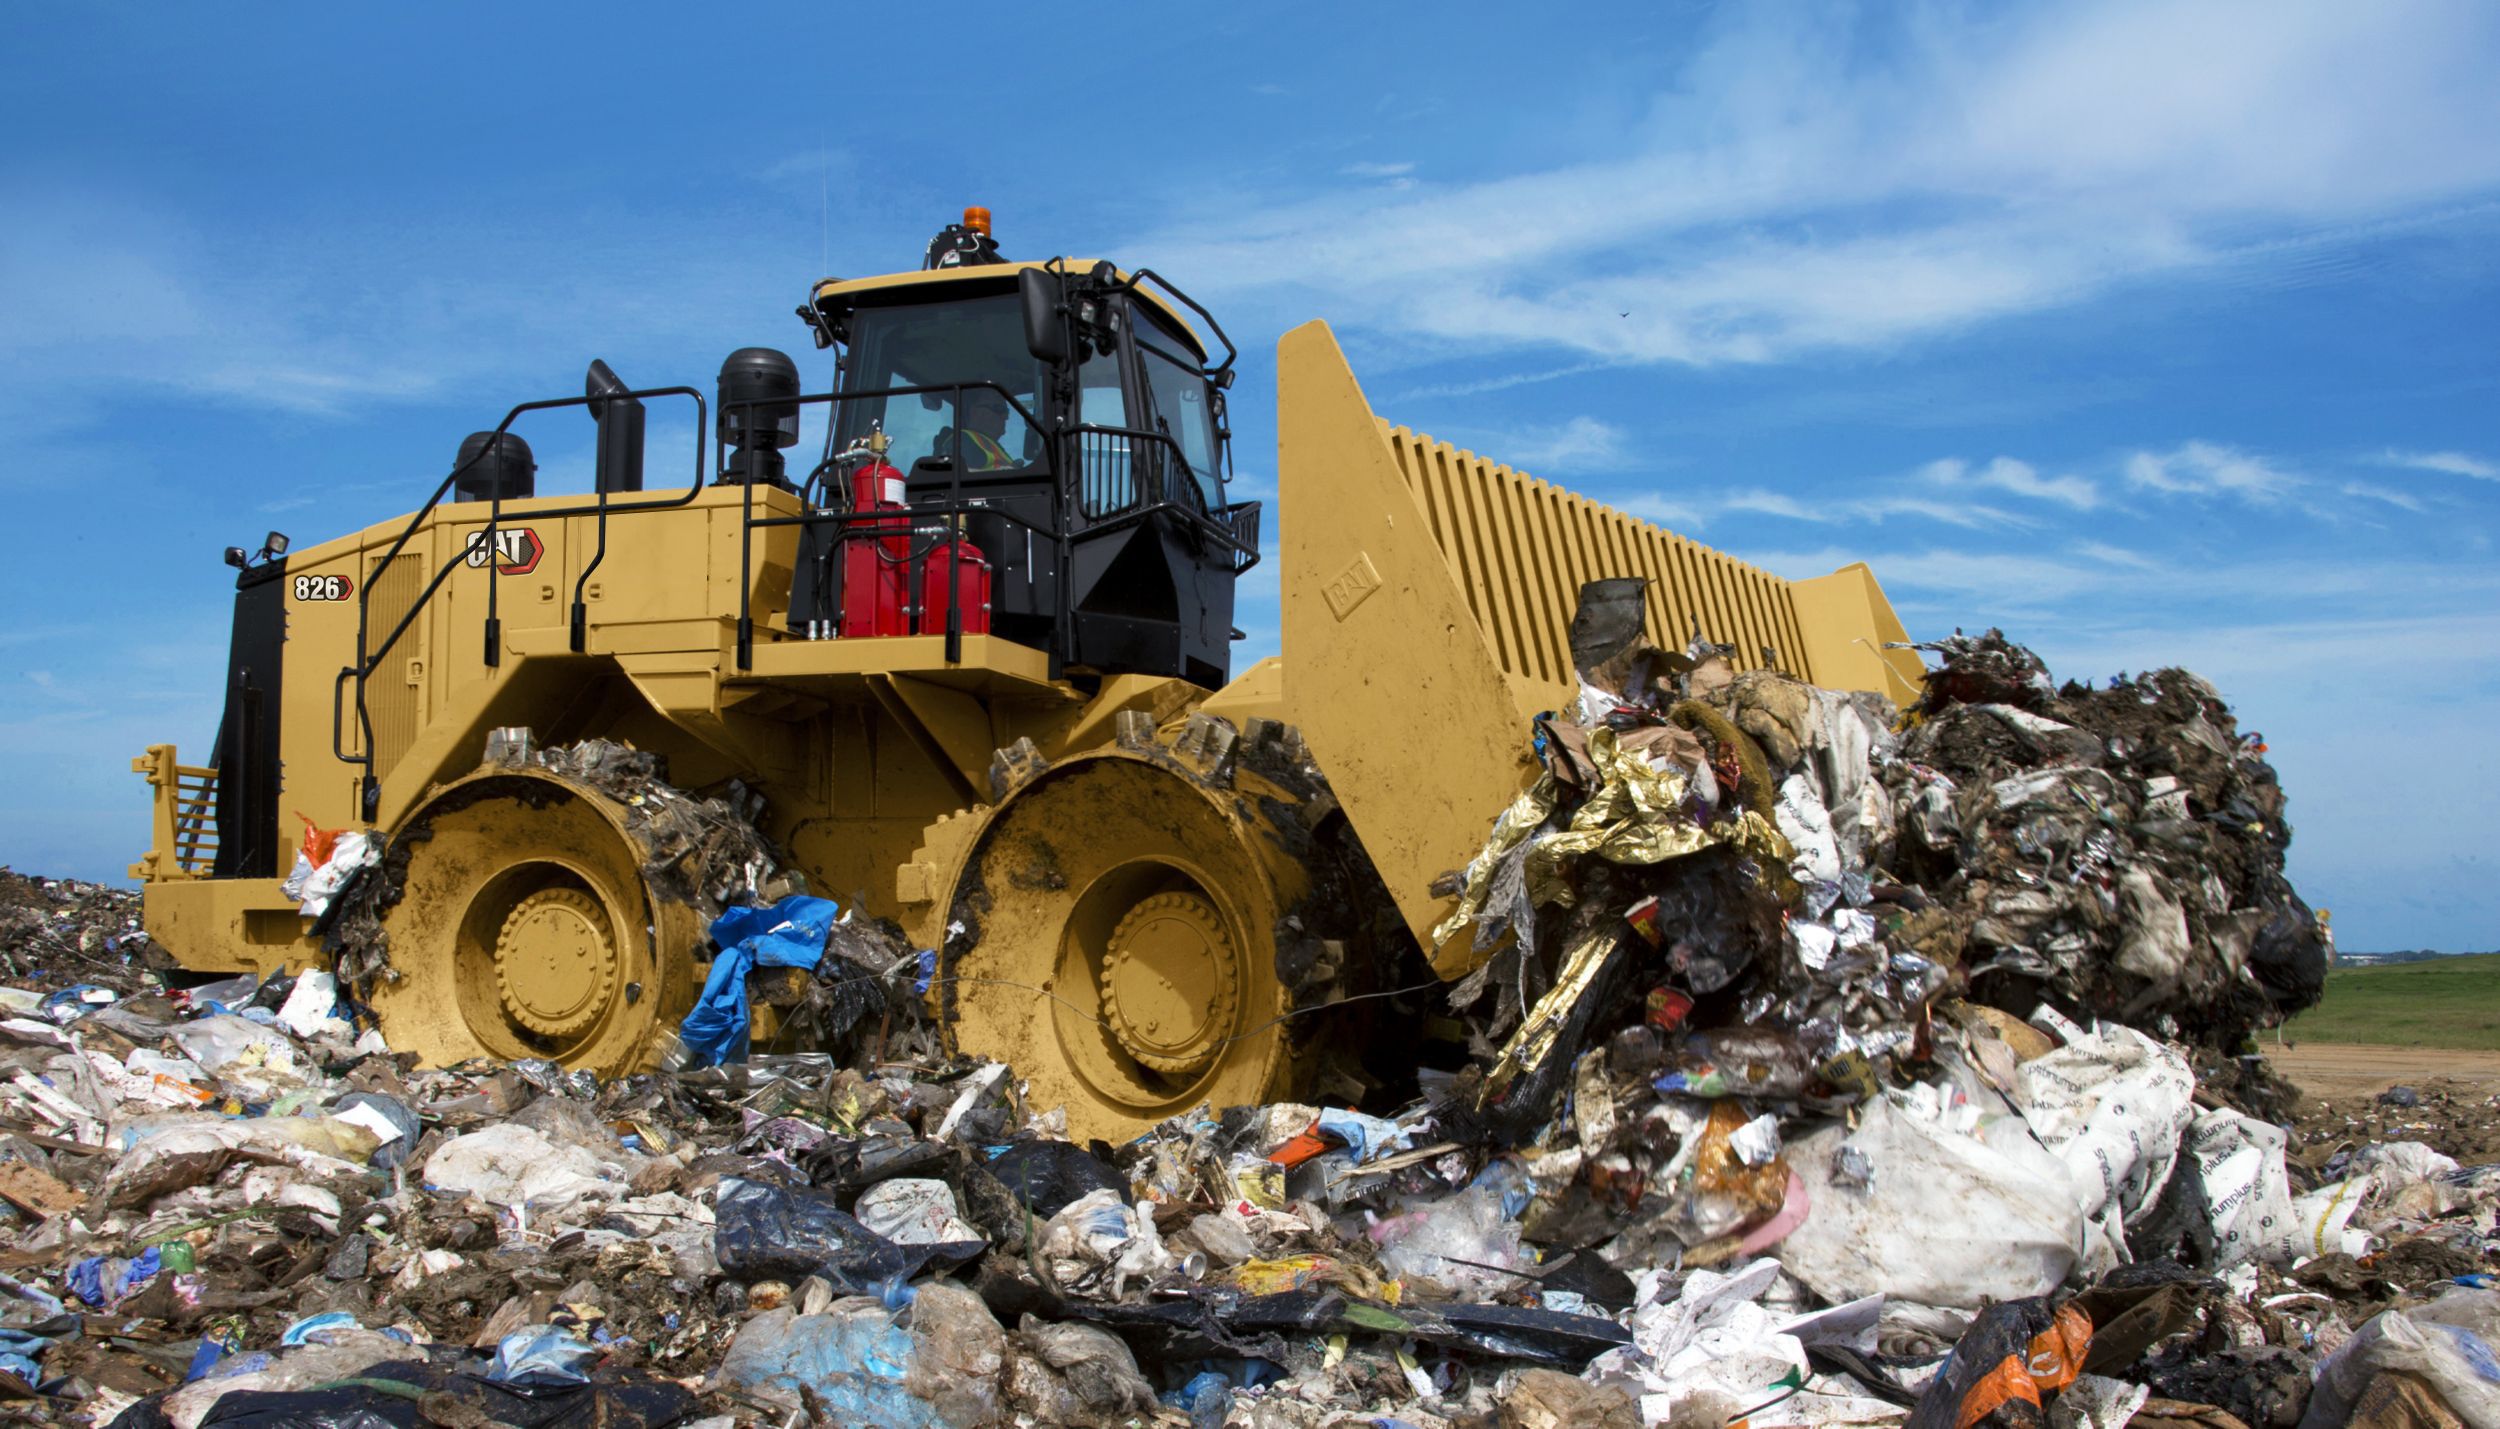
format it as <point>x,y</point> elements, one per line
<point>1428,596</point>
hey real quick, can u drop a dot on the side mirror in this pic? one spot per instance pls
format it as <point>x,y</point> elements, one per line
<point>1045,336</point>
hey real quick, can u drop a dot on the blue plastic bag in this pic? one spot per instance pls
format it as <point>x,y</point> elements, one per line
<point>102,1281</point>
<point>549,1353</point>
<point>789,934</point>
<point>857,1361</point>
<point>312,1329</point>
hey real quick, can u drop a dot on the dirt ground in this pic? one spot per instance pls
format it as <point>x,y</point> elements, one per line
<point>2451,1100</point>
<point>2339,1070</point>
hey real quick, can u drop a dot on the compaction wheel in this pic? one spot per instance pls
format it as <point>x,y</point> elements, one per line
<point>1121,949</point>
<point>524,928</point>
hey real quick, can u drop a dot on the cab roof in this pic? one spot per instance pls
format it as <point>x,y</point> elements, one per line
<point>848,291</point>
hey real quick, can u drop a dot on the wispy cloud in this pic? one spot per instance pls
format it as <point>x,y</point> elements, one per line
<point>2369,491</point>
<point>814,166</point>
<point>1581,444</point>
<point>1507,380</point>
<point>2110,555</point>
<point>1663,510</point>
<point>2448,463</point>
<point>1377,170</point>
<point>2018,477</point>
<point>2048,591</point>
<point>1773,503</point>
<point>1812,182</point>
<point>330,326</point>
<point>1874,509</point>
<point>2209,469</point>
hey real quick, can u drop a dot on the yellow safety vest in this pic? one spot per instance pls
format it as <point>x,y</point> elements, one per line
<point>988,455</point>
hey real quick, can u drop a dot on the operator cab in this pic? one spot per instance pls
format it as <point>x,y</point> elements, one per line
<point>1064,418</point>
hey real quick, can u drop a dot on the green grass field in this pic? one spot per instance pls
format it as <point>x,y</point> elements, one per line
<point>2453,1002</point>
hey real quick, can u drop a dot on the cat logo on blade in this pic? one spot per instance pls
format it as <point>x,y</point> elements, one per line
<point>517,549</point>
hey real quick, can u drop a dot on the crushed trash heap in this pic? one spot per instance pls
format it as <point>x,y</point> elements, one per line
<point>1829,1063</point>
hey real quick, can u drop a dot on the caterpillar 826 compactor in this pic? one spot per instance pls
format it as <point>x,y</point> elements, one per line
<point>976,663</point>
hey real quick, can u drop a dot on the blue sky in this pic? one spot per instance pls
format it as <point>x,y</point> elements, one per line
<point>2153,333</point>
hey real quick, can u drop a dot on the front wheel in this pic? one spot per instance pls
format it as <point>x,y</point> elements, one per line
<point>524,927</point>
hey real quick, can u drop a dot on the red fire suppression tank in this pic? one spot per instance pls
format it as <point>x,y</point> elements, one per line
<point>971,587</point>
<point>876,554</point>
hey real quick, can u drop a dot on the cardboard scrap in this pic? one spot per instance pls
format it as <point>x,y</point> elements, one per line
<point>36,1191</point>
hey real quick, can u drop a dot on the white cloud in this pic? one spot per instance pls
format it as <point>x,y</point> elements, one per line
<point>1650,506</point>
<point>1580,444</point>
<point>1480,386</point>
<point>2102,582</point>
<point>2369,492</point>
<point>364,312</point>
<point>811,167</point>
<point>2018,477</point>
<point>2109,555</point>
<point>2449,463</point>
<point>1377,171</point>
<point>1968,515</point>
<point>1773,503</point>
<point>1812,181</point>
<point>2209,469</point>
<point>1870,509</point>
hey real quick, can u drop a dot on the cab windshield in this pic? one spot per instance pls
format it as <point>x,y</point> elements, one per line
<point>1177,390</point>
<point>934,345</point>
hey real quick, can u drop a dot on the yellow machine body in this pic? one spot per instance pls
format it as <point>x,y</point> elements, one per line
<point>1127,884</point>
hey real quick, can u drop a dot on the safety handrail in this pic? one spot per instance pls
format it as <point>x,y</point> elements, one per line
<point>1153,496</point>
<point>368,660</point>
<point>953,508</point>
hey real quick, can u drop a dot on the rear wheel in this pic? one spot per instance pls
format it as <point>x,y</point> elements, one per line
<point>523,927</point>
<point>1118,947</point>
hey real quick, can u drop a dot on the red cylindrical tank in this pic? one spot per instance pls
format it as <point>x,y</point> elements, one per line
<point>876,556</point>
<point>877,486</point>
<point>971,587</point>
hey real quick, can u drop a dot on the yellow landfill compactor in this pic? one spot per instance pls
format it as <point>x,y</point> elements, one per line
<point>975,665</point>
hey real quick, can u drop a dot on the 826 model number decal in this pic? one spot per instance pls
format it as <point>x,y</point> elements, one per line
<point>324,587</point>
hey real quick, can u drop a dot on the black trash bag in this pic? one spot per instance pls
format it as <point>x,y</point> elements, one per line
<point>2289,955</point>
<point>2009,1357</point>
<point>1211,1323</point>
<point>1593,1278</point>
<point>351,1408</point>
<point>1048,1176</point>
<point>415,1394</point>
<point>1607,621</point>
<point>271,995</point>
<point>1517,1332</point>
<point>766,1232</point>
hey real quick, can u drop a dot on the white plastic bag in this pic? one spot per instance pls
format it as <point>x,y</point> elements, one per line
<point>354,850</point>
<point>2112,1106</point>
<point>508,1164</point>
<point>1096,1243</point>
<point>1709,1340</point>
<point>914,1211</point>
<point>311,1007</point>
<point>2247,1194</point>
<point>1949,1219</point>
<point>2321,1219</point>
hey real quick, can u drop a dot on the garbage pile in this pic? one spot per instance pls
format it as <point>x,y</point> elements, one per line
<point>1831,1064</point>
<point>81,939</point>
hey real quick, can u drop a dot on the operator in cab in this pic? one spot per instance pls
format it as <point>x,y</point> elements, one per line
<point>985,415</point>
